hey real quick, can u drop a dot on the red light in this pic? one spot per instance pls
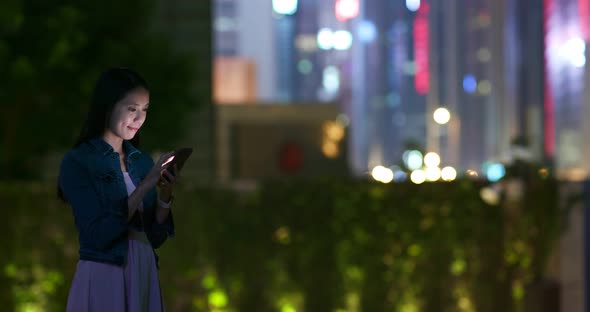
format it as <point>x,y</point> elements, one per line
<point>421,46</point>
<point>583,11</point>
<point>549,144</point>
<point>347,9</point>
<point>290,158</point>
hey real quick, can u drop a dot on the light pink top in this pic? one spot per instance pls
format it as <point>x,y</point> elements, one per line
<point>131,187</point>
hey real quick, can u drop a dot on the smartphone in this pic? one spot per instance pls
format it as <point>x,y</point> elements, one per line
<point>179,157</point>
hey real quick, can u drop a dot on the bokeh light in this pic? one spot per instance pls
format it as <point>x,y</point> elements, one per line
<point>366,31</point>
<point>330,149</point>
<point>382,174</point>
<point>418,176</point>
<point>305,66</point>
<point>285,7</point>
<point>331,79</point>
<point>413,159</point>
<point>399,176</point>
<point>346,9</point>
<point>413,5</point>
<point>433,174</point>
<point>469,84</point>
<point>484,55</point>
<point>441,116</point>
<point>489,196</point>
<point>574,52</point>
<point>484,87</point>
<point>495,171</point>
<point>471,173</point>
<point>325,39</point>
<point>342,40</point>
<point>448,174</point>
<point>432,159</point>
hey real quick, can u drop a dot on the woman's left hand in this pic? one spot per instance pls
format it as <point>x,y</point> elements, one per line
<point>168,179</point>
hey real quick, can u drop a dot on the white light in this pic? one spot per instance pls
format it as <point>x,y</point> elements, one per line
<point>367,32</point>
<point>285,7</point>
<point>576,44</point>
<point>418,176</point>
<point>342,40</point>
<point>325,39</point>
<point>413,5</point>
<point>442,115</point>
<point>432,160</point>
<point>433,174</point>
<point>413,159</point>
<point>382,174</point>
<point>449,173</point>
<point>578,60</point>
<point>331,79</point>
<point>347,9</point>
<point>573,51</point>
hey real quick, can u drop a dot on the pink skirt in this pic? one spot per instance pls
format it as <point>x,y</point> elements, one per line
<point>135,287</point>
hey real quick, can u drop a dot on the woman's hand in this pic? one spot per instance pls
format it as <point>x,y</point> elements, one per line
<point>155,173</point>
<point>167,182</point>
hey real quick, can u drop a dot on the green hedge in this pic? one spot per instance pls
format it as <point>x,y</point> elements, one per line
<point>322,245</point>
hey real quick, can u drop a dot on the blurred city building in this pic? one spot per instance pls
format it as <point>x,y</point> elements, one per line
<point>256,142</point>
<point>507,72</point>
<point>188,25</point>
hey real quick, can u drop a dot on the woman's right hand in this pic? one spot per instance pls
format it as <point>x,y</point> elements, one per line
<point>154,175</point>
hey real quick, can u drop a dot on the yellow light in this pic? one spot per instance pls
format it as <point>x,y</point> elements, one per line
<point>441,116</point>
<point>333,130</point>
<point>382,174</point>
<point>432,160</point>
<point>484,55</point>
<point>418,176</point>
<point>489,196</point>
<point>544,173</point>
<point>484,87</point>
<point>433,174</point>
<point>282,235</point>
<point>330,149</point>
<point>472,173</point>
<point>449,173</point>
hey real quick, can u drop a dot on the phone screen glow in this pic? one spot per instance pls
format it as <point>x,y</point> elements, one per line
<point>168,160</point>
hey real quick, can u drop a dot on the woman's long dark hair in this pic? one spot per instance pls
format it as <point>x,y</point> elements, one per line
<point>111,87</point>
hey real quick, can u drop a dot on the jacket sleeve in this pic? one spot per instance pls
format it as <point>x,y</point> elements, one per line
<point>102,225</point>
<point>159,232</point>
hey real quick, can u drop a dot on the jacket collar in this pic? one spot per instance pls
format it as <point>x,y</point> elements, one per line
<point>105,148</point>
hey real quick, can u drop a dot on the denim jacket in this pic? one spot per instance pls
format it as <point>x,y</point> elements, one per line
<point>92,182</point>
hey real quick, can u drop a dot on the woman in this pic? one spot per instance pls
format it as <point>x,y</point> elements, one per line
<point>110,185</point>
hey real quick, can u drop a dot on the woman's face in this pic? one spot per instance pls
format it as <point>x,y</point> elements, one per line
<point>129,114</point>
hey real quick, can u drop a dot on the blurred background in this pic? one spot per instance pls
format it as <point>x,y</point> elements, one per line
<point>350,155</point>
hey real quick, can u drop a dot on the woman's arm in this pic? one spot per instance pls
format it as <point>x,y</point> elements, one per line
<point>162,213</point>
<point>135,199</point>
<point>103,225</point>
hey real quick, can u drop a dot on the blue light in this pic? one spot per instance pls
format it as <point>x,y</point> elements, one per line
<point>367,32</point>
<point>399,176</point>
<point>469,84</point>
<point>495,172</point>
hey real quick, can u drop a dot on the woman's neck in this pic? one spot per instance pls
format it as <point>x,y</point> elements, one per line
<point>115,141</point>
